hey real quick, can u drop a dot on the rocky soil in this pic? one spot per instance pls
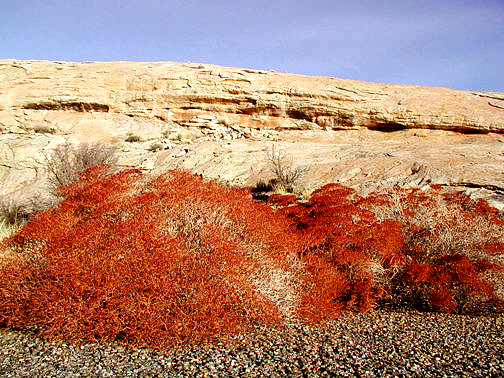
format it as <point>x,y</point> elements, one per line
<point>372,344</point>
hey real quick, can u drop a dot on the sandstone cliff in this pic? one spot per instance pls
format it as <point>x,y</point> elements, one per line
<point>177,92</point>
<point>221,122</point>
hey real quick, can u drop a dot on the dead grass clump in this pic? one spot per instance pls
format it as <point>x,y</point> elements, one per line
<point>13,211</point>
<point>67,160</point>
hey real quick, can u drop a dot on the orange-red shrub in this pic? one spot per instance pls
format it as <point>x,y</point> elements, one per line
<point>278,199</point>
<point>350,239</point>
<point>453,249</point>
<point>430,250</point>
<point>147,261</point>
<point>157,261</point>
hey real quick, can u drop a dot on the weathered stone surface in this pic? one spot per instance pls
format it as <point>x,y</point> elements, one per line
<point>222,121</point>
<point>179,92</point>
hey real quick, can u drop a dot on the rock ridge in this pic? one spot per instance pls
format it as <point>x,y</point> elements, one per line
<point>178,91</point>
<point>222,121</point>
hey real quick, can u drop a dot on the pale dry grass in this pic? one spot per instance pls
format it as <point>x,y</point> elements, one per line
<point>449,229</point>
<point>7,229</point>
<point>28,255</point>
<point>280,286</point>
<point>377,268</point>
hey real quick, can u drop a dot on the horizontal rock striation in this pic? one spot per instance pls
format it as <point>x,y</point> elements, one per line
<point>221,122</point>
<point>177,92</point>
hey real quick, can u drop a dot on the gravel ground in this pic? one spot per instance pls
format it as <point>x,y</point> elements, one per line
<point>372,344</point>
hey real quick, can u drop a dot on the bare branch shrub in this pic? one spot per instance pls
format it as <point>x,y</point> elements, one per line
<point>67,160</point>
<point>286,174</point>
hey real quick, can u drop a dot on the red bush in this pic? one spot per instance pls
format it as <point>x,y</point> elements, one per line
<point>157,261</point>
<point>452,244</point>
<point>337,230</point>
<point>145,261</point>
<point>427,250</point>
<point>282,199</point>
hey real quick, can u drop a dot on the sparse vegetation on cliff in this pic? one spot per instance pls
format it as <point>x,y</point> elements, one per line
<point>286,174</point>
<point>62,166</point>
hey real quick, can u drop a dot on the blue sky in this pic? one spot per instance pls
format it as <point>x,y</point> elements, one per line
<point>449,43</point>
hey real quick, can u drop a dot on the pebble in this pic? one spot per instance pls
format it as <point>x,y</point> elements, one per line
<point>377,343</point>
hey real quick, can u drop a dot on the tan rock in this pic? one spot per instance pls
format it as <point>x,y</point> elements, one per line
<point>183,92</point>
<point>222,121</point>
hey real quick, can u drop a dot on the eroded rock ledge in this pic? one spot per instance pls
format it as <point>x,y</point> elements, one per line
<point>178,92</point>
<point>222,121</point>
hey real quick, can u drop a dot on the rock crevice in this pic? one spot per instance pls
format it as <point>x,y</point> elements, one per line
<point>75,106</point>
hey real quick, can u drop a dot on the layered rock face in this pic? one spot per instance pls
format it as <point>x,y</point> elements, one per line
<point>222,122</point>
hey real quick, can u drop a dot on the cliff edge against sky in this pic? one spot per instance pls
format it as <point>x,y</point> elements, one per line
<point>222,122</point>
